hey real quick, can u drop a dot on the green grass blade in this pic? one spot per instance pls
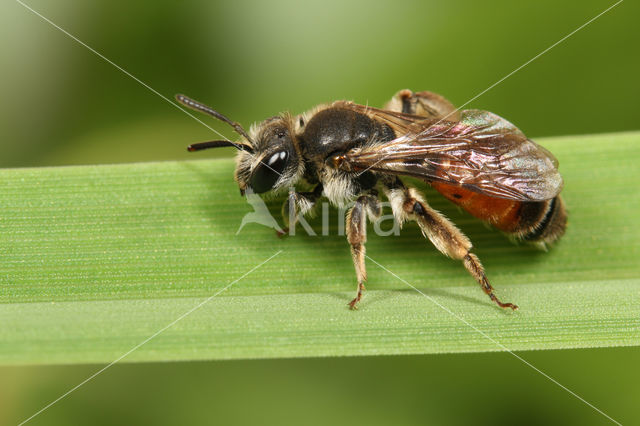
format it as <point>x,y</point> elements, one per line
<point>94,260</point>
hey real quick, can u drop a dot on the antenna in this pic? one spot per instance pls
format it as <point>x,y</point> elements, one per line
<point>197,106</point>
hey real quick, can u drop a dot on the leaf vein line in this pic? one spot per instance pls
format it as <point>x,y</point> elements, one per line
<point>500,345</point>
<point>172,323</point>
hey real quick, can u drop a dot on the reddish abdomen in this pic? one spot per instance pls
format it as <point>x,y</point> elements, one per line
<point>530,221</point>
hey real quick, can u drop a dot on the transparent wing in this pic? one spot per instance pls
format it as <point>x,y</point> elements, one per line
<point>482,152</point>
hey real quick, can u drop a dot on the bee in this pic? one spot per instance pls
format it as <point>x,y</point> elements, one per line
<point>349,153</point>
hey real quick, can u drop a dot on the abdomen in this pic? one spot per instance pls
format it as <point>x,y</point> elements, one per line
<point>535,221</point>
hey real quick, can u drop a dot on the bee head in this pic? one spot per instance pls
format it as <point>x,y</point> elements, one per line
<point>267,158</point>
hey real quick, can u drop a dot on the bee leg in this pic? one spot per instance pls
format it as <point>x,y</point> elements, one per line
<point>297,203</point>
<point>365,205</point>
<point>447,238</point>
<point>424,104</point>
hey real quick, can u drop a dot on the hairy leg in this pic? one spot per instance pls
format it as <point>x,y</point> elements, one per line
<point>298,203</point>
<point>408,204</point>
<point>424,104</point>
<point>365,205</point>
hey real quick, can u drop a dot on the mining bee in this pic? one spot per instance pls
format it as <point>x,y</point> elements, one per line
<point>348,152</point>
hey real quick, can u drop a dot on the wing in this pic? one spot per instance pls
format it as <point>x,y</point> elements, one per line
<point>482,152</point>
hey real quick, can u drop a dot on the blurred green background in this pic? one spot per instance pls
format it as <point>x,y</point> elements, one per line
<point>62,105</point>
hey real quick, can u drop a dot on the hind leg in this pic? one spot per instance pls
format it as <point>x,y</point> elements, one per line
<point>424,104</point>
<point>408,204</point>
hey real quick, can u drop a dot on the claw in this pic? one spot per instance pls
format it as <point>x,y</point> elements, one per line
<point>354,303</point>
<point>508,305</point>
<point>281,233</point>
<point>501,304</point>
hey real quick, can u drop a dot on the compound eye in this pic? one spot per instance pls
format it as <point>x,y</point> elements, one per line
<point>268,171</point>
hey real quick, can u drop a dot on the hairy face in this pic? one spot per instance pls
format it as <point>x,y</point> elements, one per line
<point>274,163</point>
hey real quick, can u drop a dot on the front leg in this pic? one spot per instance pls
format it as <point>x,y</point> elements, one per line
<point>365,205</point>
<point>298,203</point>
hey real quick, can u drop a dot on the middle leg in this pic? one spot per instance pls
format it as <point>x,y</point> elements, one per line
<point>365,205</point>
